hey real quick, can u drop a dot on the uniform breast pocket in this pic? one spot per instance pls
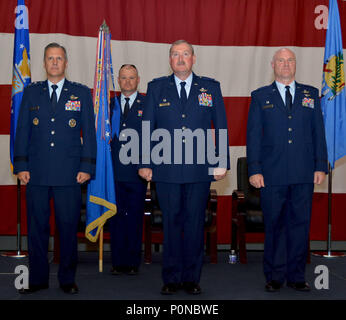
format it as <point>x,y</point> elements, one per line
<point>269,115</point>
<point>72,121</point>
<point>35,117</point>
<point>308,115</point>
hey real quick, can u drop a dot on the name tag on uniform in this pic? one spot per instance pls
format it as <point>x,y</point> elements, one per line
<point>205,99</point>
<point>308,102</point>
<point>72,105</point>
<point>165,104</point>
<point>268,106</point>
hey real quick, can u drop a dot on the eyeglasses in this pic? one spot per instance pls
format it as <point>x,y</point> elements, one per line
<point>185,54</point>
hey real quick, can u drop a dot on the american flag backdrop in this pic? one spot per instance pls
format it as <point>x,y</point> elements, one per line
<point>234,42</point>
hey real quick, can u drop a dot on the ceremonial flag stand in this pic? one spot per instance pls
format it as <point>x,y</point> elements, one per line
<point>101,251</point>
<point>329,253</point>
<point>18,253</point>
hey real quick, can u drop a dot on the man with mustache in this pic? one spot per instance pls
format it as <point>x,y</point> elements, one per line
<point>184,101</point>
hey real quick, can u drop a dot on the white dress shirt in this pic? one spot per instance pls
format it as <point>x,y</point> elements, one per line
<point>60,85</point>
<point>282,90</point>
<point>187,85</point>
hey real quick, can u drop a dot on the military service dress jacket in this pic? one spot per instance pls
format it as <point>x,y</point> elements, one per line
<point>286,146</point>
<point>54,145</point>
<point>164,110</point>
<point>127,171</point>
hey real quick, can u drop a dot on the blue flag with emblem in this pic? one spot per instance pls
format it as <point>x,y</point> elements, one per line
<point>101,200</point>
<point>21,67</point>
<point>333,100</point>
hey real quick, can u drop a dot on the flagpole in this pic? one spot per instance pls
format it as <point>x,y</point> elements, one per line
<point>18,254</point>
<point>101,200</point>
<point>332,104</point>
<point>329,253</point>
<point>101,250</point>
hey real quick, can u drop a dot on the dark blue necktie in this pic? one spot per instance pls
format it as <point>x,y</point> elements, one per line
<point>288,98</point>
<point>183,96</point>
<point>54,98</point>
<point>127,107</point>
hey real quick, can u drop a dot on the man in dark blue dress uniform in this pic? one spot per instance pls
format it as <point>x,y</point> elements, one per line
<point>286,154</point>
<point>127,225</point>
<point>185,105</point>
<point>54,153</point>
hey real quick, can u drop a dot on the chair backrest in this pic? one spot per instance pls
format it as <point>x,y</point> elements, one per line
<point>251,194</point>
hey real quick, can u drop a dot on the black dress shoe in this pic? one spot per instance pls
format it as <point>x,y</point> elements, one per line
<point>132,271</point>
<point>192,288</point>
<point>169,288</point>
<point>33,288</point>
<point>69,288</point>
<point>273,286</point>
<point>299,286</point>
<point>117,270</point>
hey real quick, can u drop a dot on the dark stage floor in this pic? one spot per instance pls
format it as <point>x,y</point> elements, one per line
<point>220,281</point>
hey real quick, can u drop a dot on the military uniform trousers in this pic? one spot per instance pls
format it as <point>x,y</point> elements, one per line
<point>183,207</point>
<point>126,227</point>
<point>287,215</point>
<point>67,206</point>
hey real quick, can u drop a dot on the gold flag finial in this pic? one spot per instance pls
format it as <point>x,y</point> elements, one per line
<point>104,27</point>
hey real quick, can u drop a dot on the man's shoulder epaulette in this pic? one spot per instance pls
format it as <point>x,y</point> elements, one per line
<point>309,87</point>
<point>208,79</point>
<point>78,84</point>
<point>261,89</point>
<point>35,83</point>
<point>159,79</point>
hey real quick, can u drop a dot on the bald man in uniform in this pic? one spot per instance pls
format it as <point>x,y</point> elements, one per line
<point>286,155</point>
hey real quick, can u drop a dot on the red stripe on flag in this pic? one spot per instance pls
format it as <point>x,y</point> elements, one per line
<point>236,111</point>
<point>224,23</point>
